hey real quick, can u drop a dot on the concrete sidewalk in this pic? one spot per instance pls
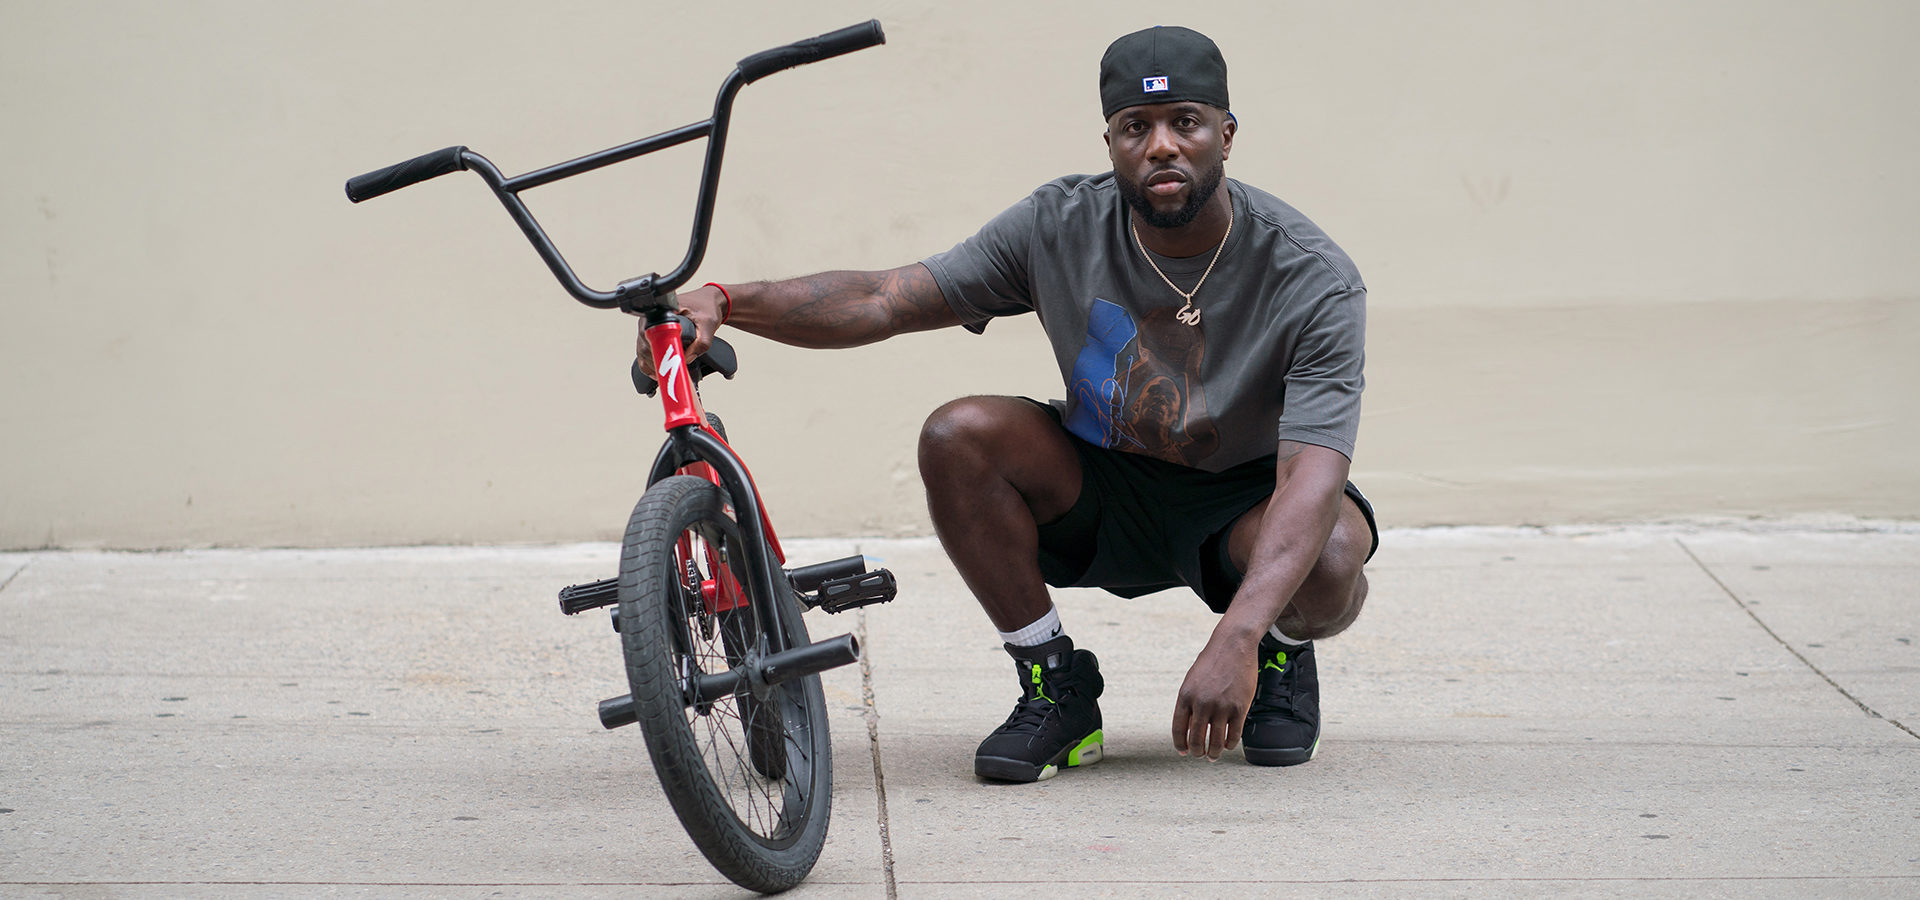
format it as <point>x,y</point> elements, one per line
<point>1661,711</point>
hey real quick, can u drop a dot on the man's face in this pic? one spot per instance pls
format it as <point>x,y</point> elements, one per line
<point>1168,158</point>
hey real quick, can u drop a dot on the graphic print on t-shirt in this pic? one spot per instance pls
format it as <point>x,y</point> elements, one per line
<point>1136,386</point>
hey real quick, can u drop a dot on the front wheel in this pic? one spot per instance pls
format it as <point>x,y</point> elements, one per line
<point>749,776</point>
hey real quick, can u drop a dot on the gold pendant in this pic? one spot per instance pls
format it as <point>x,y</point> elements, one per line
<point>1188,315</point>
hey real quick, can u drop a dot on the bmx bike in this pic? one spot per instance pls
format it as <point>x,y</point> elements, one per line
<point>724,680</point>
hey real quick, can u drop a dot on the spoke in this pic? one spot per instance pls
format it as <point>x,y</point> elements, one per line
<point>736,729</point>
<point>725,739</point>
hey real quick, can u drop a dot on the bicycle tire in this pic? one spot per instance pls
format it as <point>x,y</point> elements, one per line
<point>763,833</point>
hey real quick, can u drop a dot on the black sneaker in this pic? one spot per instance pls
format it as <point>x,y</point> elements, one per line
<point>1057,722</point>
<point>1283,725</point>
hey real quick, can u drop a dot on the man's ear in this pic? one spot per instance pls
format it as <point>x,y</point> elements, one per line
<point>1227,128</point>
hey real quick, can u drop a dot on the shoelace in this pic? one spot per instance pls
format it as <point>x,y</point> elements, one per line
<point>1030,715</point>
<point>1278,702</point>
<point>1032,712</point>
<point>1276,694</point>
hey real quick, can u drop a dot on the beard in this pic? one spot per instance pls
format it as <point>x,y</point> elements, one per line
<point>1203,188</point>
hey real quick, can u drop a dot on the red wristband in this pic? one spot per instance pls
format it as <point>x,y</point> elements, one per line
<point>728,312</point>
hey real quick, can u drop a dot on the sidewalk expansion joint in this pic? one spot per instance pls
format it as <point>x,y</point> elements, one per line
<point>16,573</point>
<point>1870,711</point>
<point>872,714</point>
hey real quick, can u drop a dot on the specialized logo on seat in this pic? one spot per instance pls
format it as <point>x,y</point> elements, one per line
<point>1154,85</point>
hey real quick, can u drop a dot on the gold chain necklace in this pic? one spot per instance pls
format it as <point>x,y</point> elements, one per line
<point>1188,314</point>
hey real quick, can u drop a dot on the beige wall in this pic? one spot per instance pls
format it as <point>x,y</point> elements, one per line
<point>1628,260</point>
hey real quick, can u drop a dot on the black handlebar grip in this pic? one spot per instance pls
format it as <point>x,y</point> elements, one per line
<point>813,49</point>
<point>413,171</point>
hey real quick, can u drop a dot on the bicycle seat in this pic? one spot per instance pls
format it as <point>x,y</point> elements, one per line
<point>718,360</point>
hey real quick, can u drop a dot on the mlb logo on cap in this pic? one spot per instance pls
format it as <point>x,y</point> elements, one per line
<point>1162,65</point>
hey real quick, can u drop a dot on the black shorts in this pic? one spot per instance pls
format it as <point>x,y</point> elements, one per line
<point>1143,524</point>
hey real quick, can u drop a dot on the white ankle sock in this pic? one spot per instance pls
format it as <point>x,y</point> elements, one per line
<point>1038,632</point>
<point>1282,638</point>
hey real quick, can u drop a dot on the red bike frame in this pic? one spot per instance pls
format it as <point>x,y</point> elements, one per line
<point>681,403</point>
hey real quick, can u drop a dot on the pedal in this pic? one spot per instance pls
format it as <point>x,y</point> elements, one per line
<point>578,598</point>
<point>851,591</point>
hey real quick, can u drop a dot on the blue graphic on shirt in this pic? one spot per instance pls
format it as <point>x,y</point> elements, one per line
<point>1098,398</point>
<point>1136,386</point>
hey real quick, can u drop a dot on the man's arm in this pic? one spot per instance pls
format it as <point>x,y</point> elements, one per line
<point>831,309</point>
<point>1293,532</point>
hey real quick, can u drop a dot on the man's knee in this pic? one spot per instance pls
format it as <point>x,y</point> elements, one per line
<point>978,440</point>
<point>1005,432</point>
<point>965,426</point>
<point>1330,598</point>
<point>1338,601</point>
<point>1341,562</point>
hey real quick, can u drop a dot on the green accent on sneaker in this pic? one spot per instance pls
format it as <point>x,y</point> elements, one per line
<point>1278,663</point>
<point>1039,689</point>
<point>1089,750</point>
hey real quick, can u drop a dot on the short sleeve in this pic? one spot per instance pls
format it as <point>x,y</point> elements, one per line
<point>986,275</point>
<point>1323,385</point>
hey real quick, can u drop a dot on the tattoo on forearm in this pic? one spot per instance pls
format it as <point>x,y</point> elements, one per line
<point>835,307</point>
<point>848,308</point>
<point>915,300</point>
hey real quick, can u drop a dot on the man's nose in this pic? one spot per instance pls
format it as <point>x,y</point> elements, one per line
<point>1161,145</point>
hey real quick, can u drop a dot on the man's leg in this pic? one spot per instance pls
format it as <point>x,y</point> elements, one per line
<point>1283,725</point>
<point>1330,598</point>
<point>996,469</point>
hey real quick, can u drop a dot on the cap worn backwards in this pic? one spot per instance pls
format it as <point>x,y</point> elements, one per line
<point>1162,64</point>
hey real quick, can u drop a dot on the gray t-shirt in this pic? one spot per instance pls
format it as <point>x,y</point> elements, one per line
<point>1277,354</point>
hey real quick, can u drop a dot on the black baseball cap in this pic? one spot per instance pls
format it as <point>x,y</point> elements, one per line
<point>1162,64</point>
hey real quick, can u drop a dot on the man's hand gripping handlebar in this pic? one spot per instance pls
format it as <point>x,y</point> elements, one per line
<point>703,308</point>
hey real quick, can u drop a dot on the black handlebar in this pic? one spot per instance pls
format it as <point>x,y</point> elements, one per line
<point>647,291</point>
<point>399,175</point>
<point>813,49</point>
